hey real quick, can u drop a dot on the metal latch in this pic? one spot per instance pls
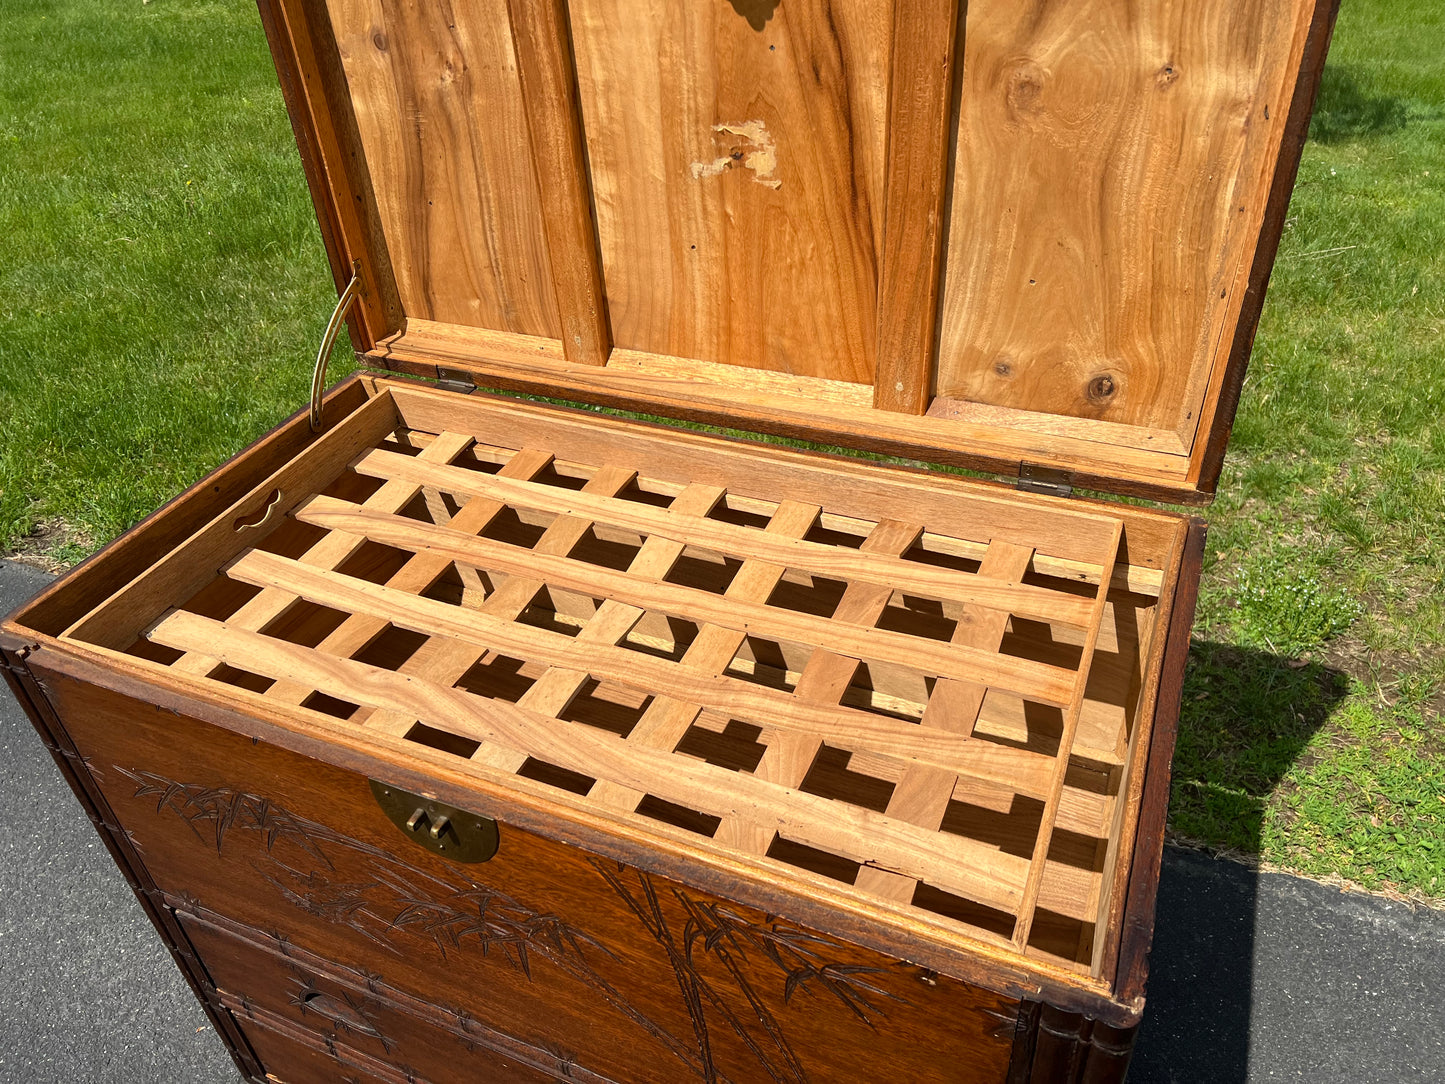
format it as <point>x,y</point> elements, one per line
<point>1050,481</point>
<point>440,828</point>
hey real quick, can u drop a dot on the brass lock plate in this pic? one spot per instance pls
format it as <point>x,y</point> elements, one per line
<point>440,828</point>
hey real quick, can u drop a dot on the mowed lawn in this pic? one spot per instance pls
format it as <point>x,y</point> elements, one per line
<point>162,282</point>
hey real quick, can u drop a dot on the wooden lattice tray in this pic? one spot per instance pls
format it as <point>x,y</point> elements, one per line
<point>914,696</point>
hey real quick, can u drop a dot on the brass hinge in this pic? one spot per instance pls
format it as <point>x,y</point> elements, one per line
<point>455,380</point>
<point>1047,480</point>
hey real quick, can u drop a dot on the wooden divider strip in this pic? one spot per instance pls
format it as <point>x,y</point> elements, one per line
<point>543,44</point>
<point>955,863</point>
<point>1036,681</point>
<point>872,567</point>
<point>1061,766</point>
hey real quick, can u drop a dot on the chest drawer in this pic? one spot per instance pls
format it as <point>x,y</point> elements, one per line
<point>261,978</point>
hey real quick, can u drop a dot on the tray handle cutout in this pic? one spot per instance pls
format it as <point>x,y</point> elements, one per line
<point>261,515</point>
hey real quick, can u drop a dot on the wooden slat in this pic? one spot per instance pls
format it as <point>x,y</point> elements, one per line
<point>415,576</point>
<point>543,46</point>
<point>922,795</point>
<point>331,550</point>
<point>446,661</point>
<point>1066,742</point>
<point>1037,681</point>
<point>961,507</point>
<point>668,717</point>
<point>955,863</point>
<point>880,569</point>
<point>183,571</point>
<point>789,755</point>
<point>916,180</point>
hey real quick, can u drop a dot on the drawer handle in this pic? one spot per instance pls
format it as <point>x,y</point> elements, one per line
<point>440,828</point>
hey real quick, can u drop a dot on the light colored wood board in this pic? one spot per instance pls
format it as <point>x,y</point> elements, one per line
<point>961,508</point>
<point>737,168</point>
<point>177,575</point>
<point>1119,854</point>
<point>1046,684</point>
<point>331,550</point>
<point>1036,421</point>
<point>862,566</point>
<point>920,104</point>
<point>543,50</point>
<point>439,108</point>
<point>1098,215</point>
<point>420,570</point>
<point>954,863</point>
<point>1139,579</point>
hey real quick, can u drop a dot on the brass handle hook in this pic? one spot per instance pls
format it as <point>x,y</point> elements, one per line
<point>333,327</point>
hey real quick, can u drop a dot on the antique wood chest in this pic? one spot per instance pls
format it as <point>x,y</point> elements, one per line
<point>448,734</point>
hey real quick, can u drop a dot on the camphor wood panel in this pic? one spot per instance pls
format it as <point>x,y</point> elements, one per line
<point>930,708</point>
<point>438,104</point>
<point>737,154</point>
<point>1107,193</point>
<point>1032,236</point>
<point>545,955</point>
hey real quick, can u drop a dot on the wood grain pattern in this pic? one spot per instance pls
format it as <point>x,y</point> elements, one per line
<point>737,168</point>
<point>440,111</point>
<point>1105,193</point>
<point>920,100</point>
<point>542,38</point>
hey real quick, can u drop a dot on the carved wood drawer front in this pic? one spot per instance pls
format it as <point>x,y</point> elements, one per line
<point>560,949</point>
<point>356,1010</point>
<point>300,1058</point>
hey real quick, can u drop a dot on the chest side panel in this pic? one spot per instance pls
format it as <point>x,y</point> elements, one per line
<point>633,976</point>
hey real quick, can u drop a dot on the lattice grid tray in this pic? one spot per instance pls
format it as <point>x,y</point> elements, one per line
<point>935,718</point>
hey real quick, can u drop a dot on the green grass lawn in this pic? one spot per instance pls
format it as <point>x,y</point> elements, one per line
<point>163,280</point>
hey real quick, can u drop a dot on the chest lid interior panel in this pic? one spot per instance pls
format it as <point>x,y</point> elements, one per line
<point>989,234</point>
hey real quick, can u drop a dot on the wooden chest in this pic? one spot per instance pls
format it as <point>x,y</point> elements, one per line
<point>452,736</point>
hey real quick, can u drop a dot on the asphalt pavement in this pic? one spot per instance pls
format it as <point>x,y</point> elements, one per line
<point>1254,977</point>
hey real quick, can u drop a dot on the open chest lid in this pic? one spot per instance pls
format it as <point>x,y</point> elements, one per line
<point>1027,238</point>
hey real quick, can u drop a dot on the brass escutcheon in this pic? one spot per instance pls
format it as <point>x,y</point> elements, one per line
<point>440,828</point>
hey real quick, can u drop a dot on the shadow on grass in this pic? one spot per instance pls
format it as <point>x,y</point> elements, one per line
<point>1346,110</point>
<point>1246,718</point>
